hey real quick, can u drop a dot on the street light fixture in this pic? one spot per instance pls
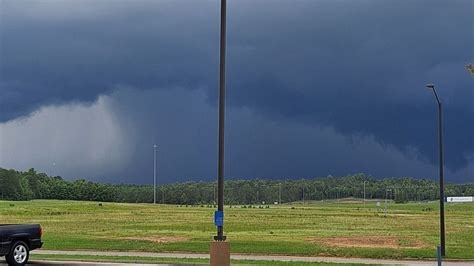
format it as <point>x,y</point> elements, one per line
<point>441,170</point>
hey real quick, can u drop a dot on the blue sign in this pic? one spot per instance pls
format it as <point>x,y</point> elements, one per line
<point>219,218</point>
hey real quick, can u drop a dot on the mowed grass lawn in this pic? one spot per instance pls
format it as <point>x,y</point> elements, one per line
<point>314,229</point>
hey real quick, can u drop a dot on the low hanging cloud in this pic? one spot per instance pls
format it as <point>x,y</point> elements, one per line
<point>112,140</point>
<point>357,68</point>
<point>75,140</point>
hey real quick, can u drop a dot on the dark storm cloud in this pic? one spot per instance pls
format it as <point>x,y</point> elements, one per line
<point>357,66</point>
<point>111,140</point>
<point>361,67</point>
<point>60,51</point>
<point>257,146</point>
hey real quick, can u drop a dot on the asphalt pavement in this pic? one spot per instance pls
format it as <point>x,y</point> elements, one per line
<point>79,263</point>
<point>257,257</point>
<point>233,256</point>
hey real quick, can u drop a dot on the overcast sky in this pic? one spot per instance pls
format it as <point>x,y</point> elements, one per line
<point>314,88</point>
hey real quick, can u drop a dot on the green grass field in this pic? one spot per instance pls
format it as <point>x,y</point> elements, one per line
<point>348,229</point>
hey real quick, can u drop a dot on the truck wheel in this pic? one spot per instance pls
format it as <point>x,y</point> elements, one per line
<point>19,254</point>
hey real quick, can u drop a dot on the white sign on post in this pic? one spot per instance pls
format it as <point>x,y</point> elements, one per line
<point>459,199</point>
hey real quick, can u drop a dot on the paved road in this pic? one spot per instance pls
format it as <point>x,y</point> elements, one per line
<point>78,263</point>
<point>257,257</point>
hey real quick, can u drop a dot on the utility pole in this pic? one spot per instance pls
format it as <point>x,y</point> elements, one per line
<point>154,173</point>
<point>386,193</point>
<point>214,193</point>
<point>54,169</point>
<point>279,195</point>
<point>323,191</point>
<point>163,195</point>
<point>364,192</point>
<point>303,195</point>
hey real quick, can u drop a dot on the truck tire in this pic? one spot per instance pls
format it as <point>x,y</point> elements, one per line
<point>19,254</point>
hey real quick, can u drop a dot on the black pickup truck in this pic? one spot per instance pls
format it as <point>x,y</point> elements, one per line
<point>16,241</point>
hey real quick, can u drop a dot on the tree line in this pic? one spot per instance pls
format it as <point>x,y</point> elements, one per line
<point>28,185</point>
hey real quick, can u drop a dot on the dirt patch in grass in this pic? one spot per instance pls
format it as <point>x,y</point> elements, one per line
<point>371,242</point>
<point>159,239</point>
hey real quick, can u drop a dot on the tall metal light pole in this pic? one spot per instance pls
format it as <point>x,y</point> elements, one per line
<point>163,195</point>
<point>441,171</point>
<point>154,173</point>
<point>220,165</point>
<point>279,194</point>
<point>364,191</point>
<point>219,248</point>
<point>386,196</point>
<point>54,169</point>
<point>303,195</point>
<point>214,201</point>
